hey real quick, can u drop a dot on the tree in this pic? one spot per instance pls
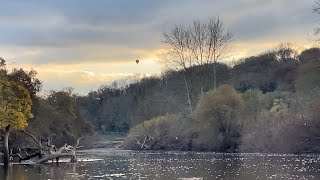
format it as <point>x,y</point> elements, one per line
<point>28,79</point>
<point>216,113</point>
<point>15,109</point>
<point>253,104</point>
<point>256,72</point>
<point>218,43</point>
<point>179,55</point>
<point>199,44</point>
<point>15,104</point>
<point>286,51</point>
<point>308,72</point>
<point>62,101</point>
<point>316,9</point>
<point>210,42</point>
<point>70,123</point>
<point>3,70</point>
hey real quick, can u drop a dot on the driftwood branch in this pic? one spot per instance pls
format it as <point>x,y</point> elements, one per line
<point>53,152</point>
<point>34,138</point>
<point>65,151</point>
<point>39,144</point>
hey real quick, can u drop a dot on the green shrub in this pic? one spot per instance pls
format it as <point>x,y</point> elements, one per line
<point>217,113</point>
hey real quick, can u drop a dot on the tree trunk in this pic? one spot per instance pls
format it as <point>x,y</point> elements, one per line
<point>74,157</point>
<point>187,89</point>
<point>40,148</point>
<point>214,75</point>
<point>27,157</point>
<point>6,147</point>
<point>6,173</point>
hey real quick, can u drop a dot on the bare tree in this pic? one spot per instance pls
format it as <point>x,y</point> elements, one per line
<point>210,42</point>
<point>286,51</point>
<point>198,44</point>
<point>198,34</point>
<point>316,9</point>
<point>179,55</point>
<point>218,43</point>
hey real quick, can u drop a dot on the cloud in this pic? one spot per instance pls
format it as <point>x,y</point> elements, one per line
<point>61,23</point>
<point>138,24</point>
<point>76,42</point>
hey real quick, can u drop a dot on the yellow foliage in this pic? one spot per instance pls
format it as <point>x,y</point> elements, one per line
<point>218,107</point>
<point>15,104</point>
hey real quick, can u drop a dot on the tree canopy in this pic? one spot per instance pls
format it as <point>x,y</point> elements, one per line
<point>15,104</point>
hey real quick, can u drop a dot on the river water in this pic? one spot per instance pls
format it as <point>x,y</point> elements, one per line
<point>108,164</point>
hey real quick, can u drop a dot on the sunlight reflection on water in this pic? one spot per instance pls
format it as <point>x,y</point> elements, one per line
<point>108,164</point>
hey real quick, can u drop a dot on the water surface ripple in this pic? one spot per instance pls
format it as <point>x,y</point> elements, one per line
<point>107,164</point>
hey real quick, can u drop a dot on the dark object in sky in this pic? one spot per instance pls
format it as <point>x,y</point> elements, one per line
<point>137,61</point>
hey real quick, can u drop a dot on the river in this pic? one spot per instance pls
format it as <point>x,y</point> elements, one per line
<point>109,164</point>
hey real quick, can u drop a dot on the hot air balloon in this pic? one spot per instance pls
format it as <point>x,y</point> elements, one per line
<point>137,61</point>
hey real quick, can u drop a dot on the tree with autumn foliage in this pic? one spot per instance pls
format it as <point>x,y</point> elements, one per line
<point>15,110</point>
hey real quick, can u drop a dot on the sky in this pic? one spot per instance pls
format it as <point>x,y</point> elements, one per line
<point>86,44</point>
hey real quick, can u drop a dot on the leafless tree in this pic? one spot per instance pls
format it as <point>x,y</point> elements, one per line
<point>180,55</point>
<point>210,42</point>
<point>316,9</point>
<point>218,43</point>
<point>197,44</point>
<point>286,51</point>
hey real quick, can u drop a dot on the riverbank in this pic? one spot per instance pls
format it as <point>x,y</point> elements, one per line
<point>108,144</point>
<point>104,141</point>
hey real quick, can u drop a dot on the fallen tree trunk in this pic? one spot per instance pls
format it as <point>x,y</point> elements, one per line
<point>45,152</point>
<point>60,153</point>
<point>53,152</point>
<point>38,143</point>
<point>27,157</point>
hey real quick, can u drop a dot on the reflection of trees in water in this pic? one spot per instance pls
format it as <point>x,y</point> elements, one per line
<point>32,172</point>
<point>6,172</point>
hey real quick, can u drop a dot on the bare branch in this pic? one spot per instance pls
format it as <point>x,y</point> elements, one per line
<point>33,137</point>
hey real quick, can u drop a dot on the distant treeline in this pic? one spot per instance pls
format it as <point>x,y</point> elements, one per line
<point>264,103</point>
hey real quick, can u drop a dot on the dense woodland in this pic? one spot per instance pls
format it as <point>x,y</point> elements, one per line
<point>264,103</point>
